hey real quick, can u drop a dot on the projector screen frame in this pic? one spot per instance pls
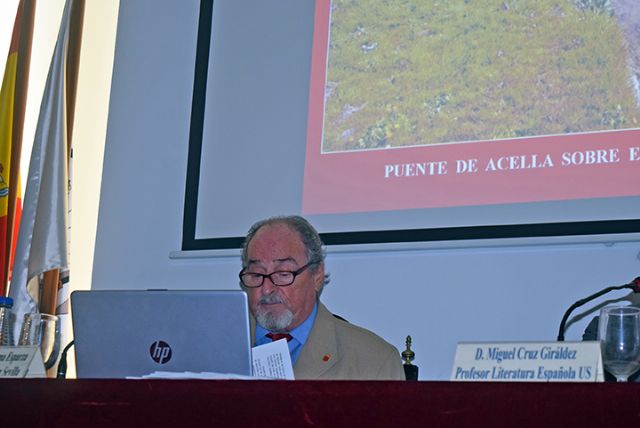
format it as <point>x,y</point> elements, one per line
<point>191,242</point>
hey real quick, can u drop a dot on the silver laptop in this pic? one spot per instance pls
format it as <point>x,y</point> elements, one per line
<point>133,332</point>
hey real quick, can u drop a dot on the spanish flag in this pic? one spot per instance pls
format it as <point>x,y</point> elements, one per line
<point>13,95</point>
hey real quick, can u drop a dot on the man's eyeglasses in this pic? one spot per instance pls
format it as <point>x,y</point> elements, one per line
<point>281,278</point>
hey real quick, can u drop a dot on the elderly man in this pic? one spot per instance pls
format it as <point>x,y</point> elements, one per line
<point>283,275</point>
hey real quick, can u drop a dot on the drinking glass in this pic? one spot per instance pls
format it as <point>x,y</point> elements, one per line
<point>42,330</point>
<point>619,334</point>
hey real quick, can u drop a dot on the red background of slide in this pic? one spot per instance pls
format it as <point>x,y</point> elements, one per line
<point>342,182</point>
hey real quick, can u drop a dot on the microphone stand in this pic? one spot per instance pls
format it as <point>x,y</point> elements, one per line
<point>633,285</point>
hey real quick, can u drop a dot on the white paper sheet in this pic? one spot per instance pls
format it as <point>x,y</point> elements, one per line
<point>272,360</point>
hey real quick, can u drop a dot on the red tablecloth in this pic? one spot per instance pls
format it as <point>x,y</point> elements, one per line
<point>154,403</point>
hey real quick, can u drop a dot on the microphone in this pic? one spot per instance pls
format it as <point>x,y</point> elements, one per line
<point>633,285</point>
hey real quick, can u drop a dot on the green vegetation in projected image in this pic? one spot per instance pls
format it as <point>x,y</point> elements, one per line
<point>417,72</point>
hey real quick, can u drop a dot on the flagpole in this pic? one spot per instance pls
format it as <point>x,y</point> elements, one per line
<point>73,65</point>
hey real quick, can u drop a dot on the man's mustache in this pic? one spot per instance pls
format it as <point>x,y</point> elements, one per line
<point>270,300</point>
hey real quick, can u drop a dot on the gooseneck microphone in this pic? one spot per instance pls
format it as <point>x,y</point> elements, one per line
<point>633,285</point>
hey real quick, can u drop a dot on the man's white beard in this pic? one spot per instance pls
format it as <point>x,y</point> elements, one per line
<point>272,321</point>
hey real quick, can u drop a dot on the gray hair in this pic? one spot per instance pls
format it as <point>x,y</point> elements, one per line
<point>308,235</point>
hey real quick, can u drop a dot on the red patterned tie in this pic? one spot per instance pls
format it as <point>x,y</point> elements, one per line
<point>278,336</point>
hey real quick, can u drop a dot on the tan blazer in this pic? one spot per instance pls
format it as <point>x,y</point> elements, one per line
<point>337,350</point>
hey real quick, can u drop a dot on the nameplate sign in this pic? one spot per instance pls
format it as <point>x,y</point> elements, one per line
<point>528,362</point>
<point>21,361</point>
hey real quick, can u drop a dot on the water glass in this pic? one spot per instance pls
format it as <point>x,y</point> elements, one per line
<point>619,334</point>
<point>42,330</point>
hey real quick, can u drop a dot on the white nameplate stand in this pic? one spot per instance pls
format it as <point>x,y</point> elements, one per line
<point>21,361</point>
<point>528,362</point>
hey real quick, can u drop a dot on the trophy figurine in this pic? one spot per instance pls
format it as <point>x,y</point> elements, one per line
<point>410,371</point>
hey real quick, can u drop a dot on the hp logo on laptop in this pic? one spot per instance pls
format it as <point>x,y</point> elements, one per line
<point>160,351</point>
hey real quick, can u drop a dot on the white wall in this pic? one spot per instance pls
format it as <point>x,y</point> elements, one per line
<point>507,290</point>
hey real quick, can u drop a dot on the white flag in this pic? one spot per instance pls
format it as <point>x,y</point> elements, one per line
<point>42,240</point>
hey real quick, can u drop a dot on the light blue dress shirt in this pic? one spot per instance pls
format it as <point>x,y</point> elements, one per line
<point>299,335</point>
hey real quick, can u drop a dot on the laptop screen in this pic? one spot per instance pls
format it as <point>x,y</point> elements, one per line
<point>124,333</point>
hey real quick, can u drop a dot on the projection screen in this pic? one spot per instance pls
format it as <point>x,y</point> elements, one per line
<point>393,121</point>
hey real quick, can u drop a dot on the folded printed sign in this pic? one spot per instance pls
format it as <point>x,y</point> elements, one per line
<point>528,362</point>
<point>21,361</point>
